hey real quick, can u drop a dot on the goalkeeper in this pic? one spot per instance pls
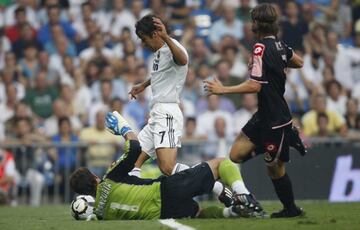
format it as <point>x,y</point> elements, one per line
<point>121,196</point>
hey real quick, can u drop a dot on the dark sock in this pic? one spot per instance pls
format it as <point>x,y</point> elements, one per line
<point>284,191</point>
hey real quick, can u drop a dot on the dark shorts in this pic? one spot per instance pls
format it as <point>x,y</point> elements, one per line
<point>178,190</point>
<point>273,143</point>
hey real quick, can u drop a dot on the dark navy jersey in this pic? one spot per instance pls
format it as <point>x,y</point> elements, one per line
<point>270,61</point>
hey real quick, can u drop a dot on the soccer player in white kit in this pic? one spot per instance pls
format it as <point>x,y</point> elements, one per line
<point>160,138</point>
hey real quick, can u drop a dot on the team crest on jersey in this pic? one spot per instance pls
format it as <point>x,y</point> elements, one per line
<point>259,49</point>
<point>271,148</point>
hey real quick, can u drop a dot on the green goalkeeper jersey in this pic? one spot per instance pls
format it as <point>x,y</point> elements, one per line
<point>120,196</point>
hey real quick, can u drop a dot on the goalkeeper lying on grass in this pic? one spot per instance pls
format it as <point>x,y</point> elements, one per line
<point>120,196</point>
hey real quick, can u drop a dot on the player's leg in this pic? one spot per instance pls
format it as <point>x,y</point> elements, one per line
<point>241,148</point>
<point>276,147</point>
<point>284,191</point>
<point>245,143</point>
<point>229,173</point>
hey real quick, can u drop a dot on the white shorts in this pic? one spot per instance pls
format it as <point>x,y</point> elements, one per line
<point>163,130</point>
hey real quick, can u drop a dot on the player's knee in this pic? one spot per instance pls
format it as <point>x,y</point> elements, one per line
<point>166,168</point>
<point>235,157</point>
<point>276,171</point>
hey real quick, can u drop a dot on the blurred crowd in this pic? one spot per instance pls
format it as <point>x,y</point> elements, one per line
<point>64,64</point>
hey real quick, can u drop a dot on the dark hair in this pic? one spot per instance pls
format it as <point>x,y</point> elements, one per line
<point>83,182</point>
<point>64,119</point>
<point>264,19</point>
<point>330,83</point>
<point>191,119</point>
<point>20,9</point>
<point>322,115</point>
<point>145,26</point>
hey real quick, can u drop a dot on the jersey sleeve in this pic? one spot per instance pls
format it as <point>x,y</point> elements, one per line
<point>120,168</point>
<point>289,52</point>
<point>178,44</point>
<point>256,71</point>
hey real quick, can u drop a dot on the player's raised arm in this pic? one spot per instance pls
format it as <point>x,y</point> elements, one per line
<point>179,56</point>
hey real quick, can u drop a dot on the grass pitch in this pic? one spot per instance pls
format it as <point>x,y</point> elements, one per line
<point>319,215</point>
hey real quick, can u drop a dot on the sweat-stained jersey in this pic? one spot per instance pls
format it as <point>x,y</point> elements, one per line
<point>270,61</point>
<point>167,77</point>
<point>120,196</point>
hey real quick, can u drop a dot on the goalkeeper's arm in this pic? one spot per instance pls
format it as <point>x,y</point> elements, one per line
<point>126,163</point>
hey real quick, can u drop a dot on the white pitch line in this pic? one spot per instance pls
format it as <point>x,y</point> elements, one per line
<point>175,225</point>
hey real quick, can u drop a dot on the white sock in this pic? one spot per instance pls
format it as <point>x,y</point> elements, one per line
<point>227,212</point>
<point>239,187</point>
<point>218,188</point>
<point>178,168</point>
<point>135,172</point>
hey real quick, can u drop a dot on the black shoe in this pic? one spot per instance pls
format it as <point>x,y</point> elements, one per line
<point>226,197</point>
<point>286,213</point>
<point>249,201</point>
<point>296,142</point>
<point>246,212</point>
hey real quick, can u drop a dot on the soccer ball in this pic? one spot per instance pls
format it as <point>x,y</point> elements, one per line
<point>82,207</point>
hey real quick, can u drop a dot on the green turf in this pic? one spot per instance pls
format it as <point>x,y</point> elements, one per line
<point>319,215</point>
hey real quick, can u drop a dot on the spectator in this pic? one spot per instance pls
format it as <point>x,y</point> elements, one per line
<point>191,87</point>
<point>103,103</point>
<point>138,10</point>
<point>25,158</point>
<point>8,78</point>
<point>247,42</point>
<point>223,69</point>
<point>338,18</point>
<point>82,97</point>
<point>65,158</point>
<point>14,32</point>
<point>352,116</point>
<point>8,107</point>
<point>243,11</point>
<point>43,15</point>
<point>101,150</point>
<point>119,18</point>
<point>7,176</point>
<point>40,98</point>
<point>26,35</point>
<point>336,100</point>
<point>219,142</point>
<point>30,64</point>
<point>293,27</point>
<point>238,68</point>
<point>51,124</point>
<point>336,124</point>
<point>44,33</point>
<point>323,123</point>
<point>97,51</point>
<point>229,25</point>
<point>241,116</point>
<point>208,117</point>
<point>118,85</point>
<point>30,14</point>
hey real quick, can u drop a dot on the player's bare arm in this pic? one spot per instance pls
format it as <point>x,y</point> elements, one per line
<point>296,61</point>
<point>136,89</point>
<point>179,56</point>
<point>216,87</point>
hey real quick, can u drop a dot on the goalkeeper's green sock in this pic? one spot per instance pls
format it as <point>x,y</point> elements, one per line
<point>230,175</point>
<point>214,212</point>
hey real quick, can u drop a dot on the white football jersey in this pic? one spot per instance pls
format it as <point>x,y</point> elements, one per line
<point>167,77</point>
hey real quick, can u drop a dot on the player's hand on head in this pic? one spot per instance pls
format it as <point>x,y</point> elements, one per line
<point>161,29</point>
<point>213,86</point>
